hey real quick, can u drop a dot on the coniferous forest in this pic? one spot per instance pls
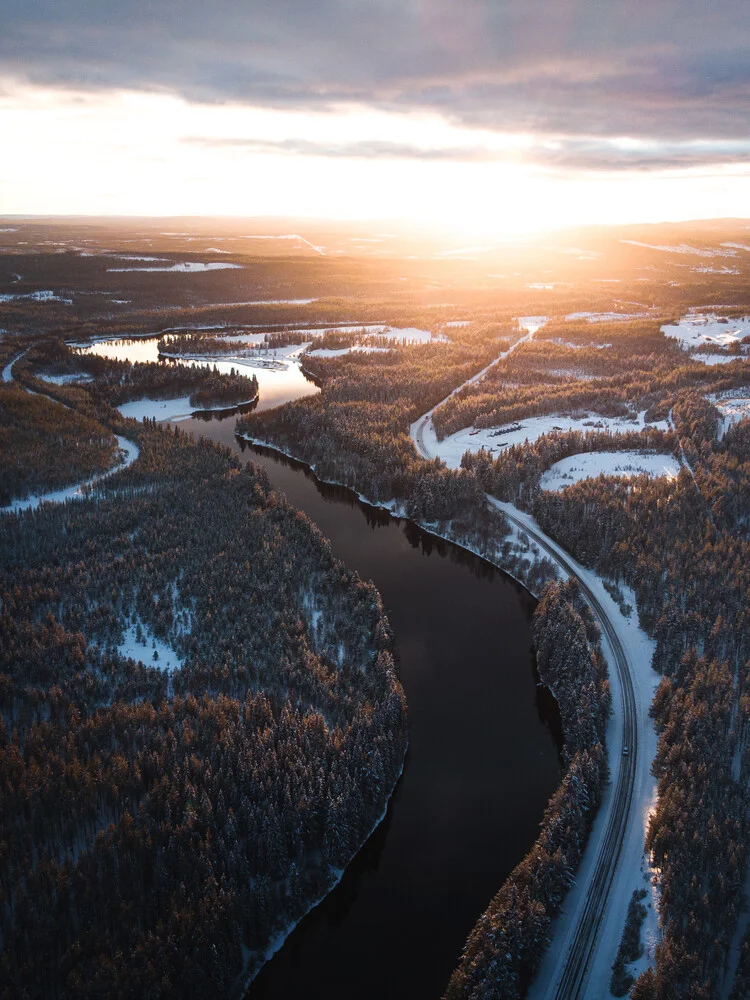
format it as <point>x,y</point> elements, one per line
<point>201,719</point>
<point>159,827</point>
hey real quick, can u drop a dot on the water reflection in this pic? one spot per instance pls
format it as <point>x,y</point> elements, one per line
<point>275,385</point>
<point>483,751</point>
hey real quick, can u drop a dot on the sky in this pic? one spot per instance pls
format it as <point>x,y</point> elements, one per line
<point>487,116</point>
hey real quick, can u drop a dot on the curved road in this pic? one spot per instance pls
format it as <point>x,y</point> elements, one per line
<point>577,957</point>
<point>418,428</point>
<point>571,974</point>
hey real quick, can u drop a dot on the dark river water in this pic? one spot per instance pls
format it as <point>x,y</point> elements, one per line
<point>481,766</point>
<point>482,761</point>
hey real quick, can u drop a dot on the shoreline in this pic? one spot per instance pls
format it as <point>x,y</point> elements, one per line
<point>281,937</point>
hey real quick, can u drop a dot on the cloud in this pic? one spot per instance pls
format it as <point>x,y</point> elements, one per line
<point>561,153</point>
<point>665,69</point>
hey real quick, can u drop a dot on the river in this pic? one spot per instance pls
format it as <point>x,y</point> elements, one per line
<point>482,763</point>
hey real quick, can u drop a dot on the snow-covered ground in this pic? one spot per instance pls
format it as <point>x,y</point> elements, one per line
<point>129,452</point>
<point>168,409</point>
<point>733,405</point>
<point>143,651</point>
<point>588,465</point>
<point>8,370</point>
<point>607,317</point>
<point>43,296</point>
<point>408,334</point>
<point>699,329</point>
<point>633,870</point>
<point>496,439</point>
<point>422,431</point>
<point>64,379</point>
<point>574,373</point>
<point>531,323</point>
<point>685,248</point>
<point>233,338</point>
<point>576,346</point>
<point>715,270</point>
<point>188,267</point>
<point>337,352</point>
<point>716,359</point>
<point>125,256</point>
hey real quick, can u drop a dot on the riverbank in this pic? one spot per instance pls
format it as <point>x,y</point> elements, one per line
<point>129,452</point>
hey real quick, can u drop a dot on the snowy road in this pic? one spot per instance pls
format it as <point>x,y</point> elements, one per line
<point>419,427</point>
<point>573,965</point>
<point>587,933</point>
<point>8,370</point>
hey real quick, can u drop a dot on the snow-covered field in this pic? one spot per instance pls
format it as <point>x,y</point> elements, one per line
<point>496,439</point>
<point>167,409</point>
<point>573,373</point>
<point>143,651</point>
<point>129,452</point>
<point>43,296</point>
<point>234,338</point>
<point>157,409</point>
<point>685,248</point>
<point>64,379</point>
<point>608,317</point>
<point>574,346</point>
<point>531,323</point>
<point>188,267</point>
<point>733,405</point>
<point>715,270</point>
<point>716,359</point>
<point>588,465</point>
<point>124,256</point>
<point>337,352</point>
<point>699,329</point>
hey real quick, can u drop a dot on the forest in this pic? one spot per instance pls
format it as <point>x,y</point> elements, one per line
<point>681,545</point>
<point>44,446</point>
<point>160,826</point>
<point>508,941</point>
<point>123,811</point>
<point>115,382</point>
<point>357,430</point>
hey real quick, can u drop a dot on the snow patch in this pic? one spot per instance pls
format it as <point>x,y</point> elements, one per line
<point>64,379</point>
<point>169,409</point>
<point>734,405</point>
<point>715,270</point>
<point>497,439</point>
<point>590,464</point>
<point>143,651</point>
<point>685,248</point>
<point>187,267</point>
<point>606,317</point>
<point>716,359</point>
<point>331,352</point>
<point>697,329</point>
<point>129,452</point>
<point>42,296</point>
